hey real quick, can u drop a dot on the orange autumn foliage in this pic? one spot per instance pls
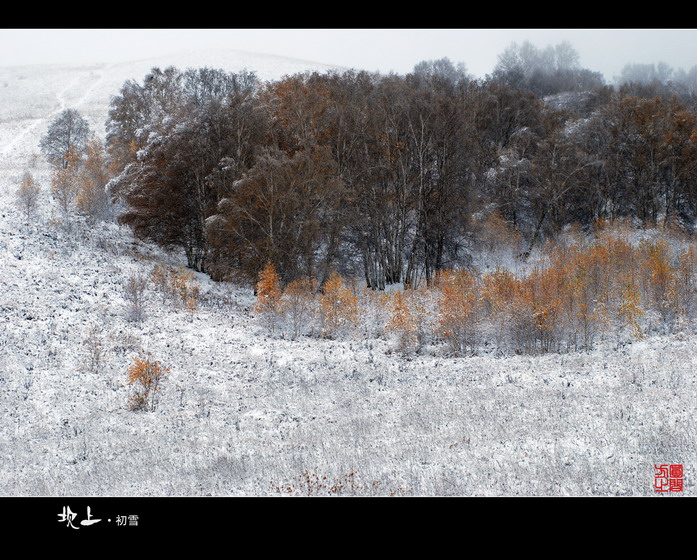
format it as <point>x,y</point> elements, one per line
<point>146,375</point>
<point>581,289</point>
<point>338,306</point>
<point>297,303</point>
<point>459,307</point>
<point>403,322</point>
<point>269,290</point>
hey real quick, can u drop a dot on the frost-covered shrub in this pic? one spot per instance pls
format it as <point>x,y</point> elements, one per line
<point>339,307</point>
<point>179,286</point>
<point>459,310</point>
<point>145,375</point>
<point>186,288</point>
<point>95,348</point>
<point>92,200</point>
<point>65,183</point>
<point>134,292</point>
<point>403,323</point>
<point>28,194</point>
<point>269,292</point>
<point>410,319</point>
<point>298,306</point>
<point>375,312</point>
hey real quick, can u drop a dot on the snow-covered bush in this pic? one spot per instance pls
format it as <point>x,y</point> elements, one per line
<point>28,194</point>
<point>145,375</point>
<point>134,292</point>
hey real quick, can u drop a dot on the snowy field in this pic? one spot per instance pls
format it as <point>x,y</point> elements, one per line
<point>244,413</point>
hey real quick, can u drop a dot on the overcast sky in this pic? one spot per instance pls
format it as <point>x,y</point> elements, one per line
<point>383,50</point>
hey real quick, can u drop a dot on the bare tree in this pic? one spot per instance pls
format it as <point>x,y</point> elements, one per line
<point>134,292</point>
<point>68,133</point>
<point>28,194</point>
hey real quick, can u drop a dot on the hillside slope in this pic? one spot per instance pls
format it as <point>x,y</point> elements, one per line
<point>244,413</point>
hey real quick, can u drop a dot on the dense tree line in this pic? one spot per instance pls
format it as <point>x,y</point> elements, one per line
<point>387,175</point>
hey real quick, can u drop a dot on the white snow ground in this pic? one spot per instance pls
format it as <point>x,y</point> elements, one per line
<point>243,413</point>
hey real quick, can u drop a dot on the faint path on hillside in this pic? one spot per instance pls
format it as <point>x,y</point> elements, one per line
<point>7,149</point>
<point>62,105</point>
<point>86,96</point>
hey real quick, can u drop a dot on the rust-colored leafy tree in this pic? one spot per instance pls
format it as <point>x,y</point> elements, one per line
<point>459,310</point>
<point>269,293</point>
<point>403,323</point>
<point>92,200</point>
<point>28,194</point>
<point>145,375</point>
<point>338,306</point>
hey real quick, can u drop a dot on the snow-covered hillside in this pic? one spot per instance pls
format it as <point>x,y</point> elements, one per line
<point>245,413</point>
